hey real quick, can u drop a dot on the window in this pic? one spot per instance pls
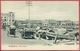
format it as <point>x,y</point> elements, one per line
<point>9,14</point>
<point>4,19</point>
<point>12,14</point>
<point>12,20</point>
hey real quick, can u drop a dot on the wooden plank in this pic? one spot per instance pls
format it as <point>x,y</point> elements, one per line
<point>62,36</point>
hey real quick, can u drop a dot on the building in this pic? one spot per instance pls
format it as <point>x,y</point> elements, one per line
<point>76,24</point>
<point>49,23</point>
<point>35,23</point>
<point>31,23</point>
<point>8,18</point>
<point>54,23</point>
<point>45,23</point>
<point>60,24</point>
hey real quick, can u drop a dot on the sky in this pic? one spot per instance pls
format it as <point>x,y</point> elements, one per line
<point>41,10</point>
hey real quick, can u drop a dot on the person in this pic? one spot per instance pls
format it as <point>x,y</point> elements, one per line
<point>4,27</point>
<point>21,30</point>
<point>12,30</point>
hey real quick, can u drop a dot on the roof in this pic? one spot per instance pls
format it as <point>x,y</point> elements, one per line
<point>29,29</point>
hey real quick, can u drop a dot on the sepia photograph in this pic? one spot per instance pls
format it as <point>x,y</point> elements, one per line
<point>40,25</point>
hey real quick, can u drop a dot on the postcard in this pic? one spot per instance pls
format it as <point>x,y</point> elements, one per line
<point>39,25</point>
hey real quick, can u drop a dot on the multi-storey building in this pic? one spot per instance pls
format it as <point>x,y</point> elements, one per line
<point>8,18</point>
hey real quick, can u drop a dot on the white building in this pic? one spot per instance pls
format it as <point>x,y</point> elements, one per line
<point>45,23</point>
<point>8,18</point>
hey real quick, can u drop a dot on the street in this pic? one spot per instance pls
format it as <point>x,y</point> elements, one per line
<point>19,40</point>
<point>12,42</point>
